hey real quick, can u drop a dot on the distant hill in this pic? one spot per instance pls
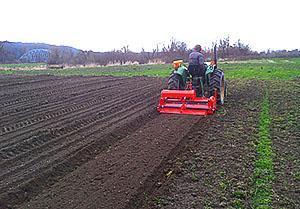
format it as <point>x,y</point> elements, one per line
<point>17,52</point>
<point>11,52</point>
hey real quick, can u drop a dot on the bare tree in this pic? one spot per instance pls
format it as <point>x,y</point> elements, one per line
<point>54,57</point>
<point>2,57</point>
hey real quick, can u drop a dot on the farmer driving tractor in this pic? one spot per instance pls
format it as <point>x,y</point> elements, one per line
<point>197,69</point>
<point>196,62</point>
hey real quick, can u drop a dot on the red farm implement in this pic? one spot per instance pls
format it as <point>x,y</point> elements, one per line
<point>186,102</point>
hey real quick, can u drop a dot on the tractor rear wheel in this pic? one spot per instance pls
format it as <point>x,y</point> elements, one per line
<point>217,82</point>
<point>175,82</point>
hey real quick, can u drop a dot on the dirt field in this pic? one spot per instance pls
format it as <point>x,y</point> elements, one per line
<point>98,142</point>
<point>52,125</point>
<point>213,165</point>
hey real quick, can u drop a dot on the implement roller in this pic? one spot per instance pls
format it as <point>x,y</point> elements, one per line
<point>186,102</point>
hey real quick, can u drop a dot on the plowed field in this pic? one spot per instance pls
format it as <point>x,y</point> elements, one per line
<point>98,142</point>
<point>49,125</point>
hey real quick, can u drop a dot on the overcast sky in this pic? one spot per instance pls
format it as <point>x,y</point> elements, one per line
<point>102,25</point>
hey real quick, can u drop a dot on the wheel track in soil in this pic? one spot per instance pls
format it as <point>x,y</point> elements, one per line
<point>48,113</point>
<point>71,131</point>
<point>32,96</point>
<point>113,177</point>
<point>26,191</point>
<point>25,171</point>
<point>31,169</point>
<point>29,108</point>
<point>16,151</point>
<point>10,79</point>
<point>52,84</point>
<point>30,82</point>
<point>58,102</point>
<point>12,137</point>
<point>13,92</point>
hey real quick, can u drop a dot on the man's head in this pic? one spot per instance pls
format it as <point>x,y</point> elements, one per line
<point>197,48</point>
<point>177,63</point>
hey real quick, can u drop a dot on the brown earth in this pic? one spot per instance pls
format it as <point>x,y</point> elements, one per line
<point>214,166</point>
<point>98,142</point>
<point>52,125</point>
<point>58,133</point>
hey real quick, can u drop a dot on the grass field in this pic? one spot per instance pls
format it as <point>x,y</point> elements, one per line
<point>21,65</point>
<point>265,69</point>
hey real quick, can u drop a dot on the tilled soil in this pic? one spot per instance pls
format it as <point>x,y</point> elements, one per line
<point>98,142</point>
<point>214,166</point>
<point>52,125</point>
<point>85,142</point>
<point>114,176</point>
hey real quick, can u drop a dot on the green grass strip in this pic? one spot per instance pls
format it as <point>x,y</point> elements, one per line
<point>266,69</point>
<point>264,168</point>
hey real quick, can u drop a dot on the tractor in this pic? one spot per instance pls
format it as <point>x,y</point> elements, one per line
<point>198,96</point>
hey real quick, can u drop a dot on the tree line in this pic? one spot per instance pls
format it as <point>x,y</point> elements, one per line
<point>227,50</point>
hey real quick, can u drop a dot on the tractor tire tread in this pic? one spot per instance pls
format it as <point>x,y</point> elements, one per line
<point>215,81</point>
<point>173,82</point>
